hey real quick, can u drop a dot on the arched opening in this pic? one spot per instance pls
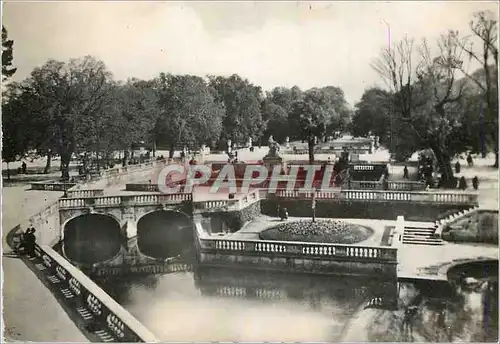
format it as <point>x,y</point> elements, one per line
<point>164,234</point>
<point>92,238</point>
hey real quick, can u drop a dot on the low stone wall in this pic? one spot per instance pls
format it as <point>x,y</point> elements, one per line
<point>46,223</point>
<point>317,258</point>
<point>233,221</point>
<point>383,210</point>
<point>83,293</point>
<point>85,193</point>
<point>51,186</point>
<point>392,185</point>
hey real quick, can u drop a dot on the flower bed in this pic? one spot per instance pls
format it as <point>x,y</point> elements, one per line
<point>326,231</point>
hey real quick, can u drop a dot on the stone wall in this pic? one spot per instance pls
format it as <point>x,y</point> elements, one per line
<point>362,209</point>
<point>81,292</point>
<point>233,221</point>
<point>47,226</point>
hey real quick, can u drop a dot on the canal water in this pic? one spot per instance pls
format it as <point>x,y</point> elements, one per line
<point>224,305</point>
<point>230,305</point>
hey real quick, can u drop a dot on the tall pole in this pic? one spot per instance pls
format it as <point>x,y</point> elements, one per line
<point>391,110</point>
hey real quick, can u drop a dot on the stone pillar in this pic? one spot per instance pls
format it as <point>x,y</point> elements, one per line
<point>287,142</point>
<point>229,146</point>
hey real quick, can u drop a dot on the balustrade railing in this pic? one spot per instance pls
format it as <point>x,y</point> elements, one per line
<point>297,249</point>
<point>118,323</point>
<point>50,186</point>
<point>85,193</point>
<point>382,195</point>
<point>150,187</point>
<point>112,201</point>
<point>391,185</point>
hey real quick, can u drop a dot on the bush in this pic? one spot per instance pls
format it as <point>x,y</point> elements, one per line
<point>333,231</point>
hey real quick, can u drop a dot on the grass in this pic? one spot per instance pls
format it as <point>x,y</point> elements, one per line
<point>325,231</point>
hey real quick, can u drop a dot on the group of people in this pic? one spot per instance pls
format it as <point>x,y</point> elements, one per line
<point>28,240</point>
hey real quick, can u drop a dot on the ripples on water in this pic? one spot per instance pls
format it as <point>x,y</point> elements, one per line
<point>223,306</point>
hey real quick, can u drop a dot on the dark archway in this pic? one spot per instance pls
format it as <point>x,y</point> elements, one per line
<point>163,234</point>
<point>92,238</point>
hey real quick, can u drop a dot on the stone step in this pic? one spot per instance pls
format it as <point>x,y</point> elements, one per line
<point>423,242</point>
<point>420,231</point>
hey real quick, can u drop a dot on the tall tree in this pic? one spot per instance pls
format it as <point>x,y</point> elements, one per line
<point>484,28</point>
<point>15,125</point>
<point>372,115</point>
<point>242,101</point>
<point>311,116</point>
<point>426,89</point>
<point>190,114</point>
<point>7,56</point>
<point>68,96</point>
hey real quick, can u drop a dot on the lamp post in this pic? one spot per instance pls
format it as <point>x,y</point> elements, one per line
<point>313,204</point>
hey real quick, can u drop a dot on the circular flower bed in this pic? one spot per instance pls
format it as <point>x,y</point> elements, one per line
<point>327,231</point>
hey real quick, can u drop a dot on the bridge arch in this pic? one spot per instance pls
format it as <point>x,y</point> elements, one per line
<point>92,238</point>
<point>476,268</point>
<point>165,233</point>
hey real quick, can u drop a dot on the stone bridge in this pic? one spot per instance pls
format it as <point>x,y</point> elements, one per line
<point>132,231</point>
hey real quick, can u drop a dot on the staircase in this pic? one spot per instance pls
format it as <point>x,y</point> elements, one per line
<point>427,233</point>
<point>420,233</point>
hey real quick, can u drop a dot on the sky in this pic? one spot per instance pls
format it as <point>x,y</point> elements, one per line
<point>308,44</point>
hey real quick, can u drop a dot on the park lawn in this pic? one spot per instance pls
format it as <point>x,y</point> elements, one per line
<point>324,231</point>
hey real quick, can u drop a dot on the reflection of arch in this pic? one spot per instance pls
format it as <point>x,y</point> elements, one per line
<point>165,233</point>
<point>91,238</point>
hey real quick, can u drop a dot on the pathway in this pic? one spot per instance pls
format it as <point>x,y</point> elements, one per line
<point>26,301</point>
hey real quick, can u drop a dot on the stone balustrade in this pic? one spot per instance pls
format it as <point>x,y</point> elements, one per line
<point>380,195</point>
<point>297,249</point>
<point>85,193</point>
<point>392,185</point>
<point>118,324</point>
<point>150,187</point>
<point>128,200</point>
<point>230,204</point>
<point>51,186</point>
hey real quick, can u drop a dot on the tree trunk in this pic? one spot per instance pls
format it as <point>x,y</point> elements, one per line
<point>310,147</point>
<point>8,171</point>
<point>154,148</point>
<point>49,161</point>
<point>444,163</point>
<point>65,160</point>
<point>171,152</point>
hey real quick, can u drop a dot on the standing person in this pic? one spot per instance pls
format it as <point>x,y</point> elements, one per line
<point>462,184</point>
<point>30,242</point>
<point>23,167</point>
<point>470,162</point>
<point>457,167</point>
<point>405,173</point>
<point>475,183</point>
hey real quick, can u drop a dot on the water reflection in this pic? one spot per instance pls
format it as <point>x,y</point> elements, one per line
<point>226,305</point>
